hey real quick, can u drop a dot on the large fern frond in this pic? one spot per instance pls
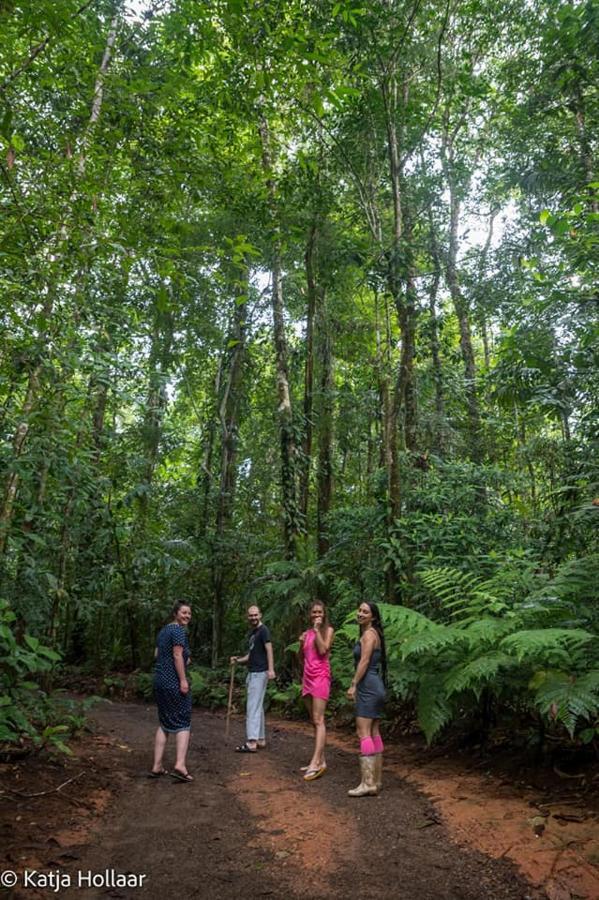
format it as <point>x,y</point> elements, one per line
<point>462,594</point>
<point>433,707</point>
<point>437,637</point>
<point>403,680</point>
<point>539,644</point>
<point>475,674</point>
<point>449,585</point>
<point>576,579</point>
<point>488,631</point>
<point>567,699</point>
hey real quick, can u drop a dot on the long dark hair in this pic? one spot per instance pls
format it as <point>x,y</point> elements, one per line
<point>377,624</point>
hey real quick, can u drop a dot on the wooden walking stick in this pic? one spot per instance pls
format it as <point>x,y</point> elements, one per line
<point>230,701</point>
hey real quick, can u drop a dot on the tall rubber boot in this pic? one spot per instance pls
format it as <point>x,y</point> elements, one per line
<point>378,772</point>
<point>367,786</point>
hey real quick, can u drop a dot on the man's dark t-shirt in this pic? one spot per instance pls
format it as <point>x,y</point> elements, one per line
<point>258,660</point>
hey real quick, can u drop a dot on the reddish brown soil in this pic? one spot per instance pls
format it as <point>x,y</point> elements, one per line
<point>250,826</point>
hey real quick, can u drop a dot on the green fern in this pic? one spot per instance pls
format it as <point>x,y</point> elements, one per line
<point>475,674</point>
<point>488,631</point>
<point>462,594</point>
<point>576,579</point>
<point>438,637</point>
<point>399,620</point>
<point>449,586</point>
<point>566,699</point>
<point>537,643</point>
<point>433,707</point>
<point>404,681</point>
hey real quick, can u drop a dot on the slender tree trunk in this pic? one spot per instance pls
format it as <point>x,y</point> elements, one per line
<point>394,281</point>
<point>306,454</point>
<point>210,440</point>
<point>482,315</point>
<point>19,439</point>
<point>439,432</point>
<point>586,151</point>
<point>159,363</point>
<point>462,312</point>
<point>229,422</point>
<point>284,408</point>
<point>405,395</point>
<point>325,428</point>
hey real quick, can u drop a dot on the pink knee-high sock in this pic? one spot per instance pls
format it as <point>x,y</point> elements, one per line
<point>377,743</point>
<point>367,746</point>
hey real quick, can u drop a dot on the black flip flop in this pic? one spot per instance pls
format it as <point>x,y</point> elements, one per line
<point>157,774</point>
<point>243,748</point>
<point>181,776</point>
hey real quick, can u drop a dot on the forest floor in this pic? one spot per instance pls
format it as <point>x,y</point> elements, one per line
<point>250,826</point>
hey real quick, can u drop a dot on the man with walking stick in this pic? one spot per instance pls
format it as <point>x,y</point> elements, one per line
<point>260,663</point>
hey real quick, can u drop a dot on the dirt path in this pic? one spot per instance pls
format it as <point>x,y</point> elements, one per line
<point>249,826</point>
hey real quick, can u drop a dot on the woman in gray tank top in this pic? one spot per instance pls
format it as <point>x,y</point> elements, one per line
<point>368,691</point>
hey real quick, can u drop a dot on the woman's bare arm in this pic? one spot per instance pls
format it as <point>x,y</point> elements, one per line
<point>368,642</point>
<point>324,642</point>
<point>180,668</point>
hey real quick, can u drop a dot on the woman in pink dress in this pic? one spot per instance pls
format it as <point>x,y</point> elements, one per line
<point>315,646</point>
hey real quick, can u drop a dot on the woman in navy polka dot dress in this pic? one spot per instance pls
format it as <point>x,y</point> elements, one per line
<point>172,692</point>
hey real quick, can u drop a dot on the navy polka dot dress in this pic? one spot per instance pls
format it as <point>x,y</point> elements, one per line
<point>174,708</point>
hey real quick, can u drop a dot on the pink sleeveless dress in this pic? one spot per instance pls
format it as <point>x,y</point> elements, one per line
<point>317,669</point>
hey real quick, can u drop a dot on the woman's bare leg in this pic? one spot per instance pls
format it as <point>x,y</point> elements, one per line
<point>182,739</point>
<point>308,702</point>
<point>364,727</point>
<point>159,745</point>
<point>320,733</point>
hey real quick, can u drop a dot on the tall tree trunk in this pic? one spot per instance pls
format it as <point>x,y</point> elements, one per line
<point>284,408</point>
<point>152,427</point>
<point>12,484</point>
<point>306,453</point>
<point>210,439</point>
<point>325,428</point>
<point>405,395</point>
<point>586,151</point>
<point>482,272</point>
<point>439,431</point>
<point>463,314</point>
<point>229,423</point>
<point>390,96</point>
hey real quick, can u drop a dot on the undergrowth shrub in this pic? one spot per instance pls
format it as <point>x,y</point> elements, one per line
<point>31,717</point>
<point>536,654</point>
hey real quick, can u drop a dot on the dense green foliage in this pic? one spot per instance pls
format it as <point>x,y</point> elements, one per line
<point>300,299</point>
<point>29,714</point>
